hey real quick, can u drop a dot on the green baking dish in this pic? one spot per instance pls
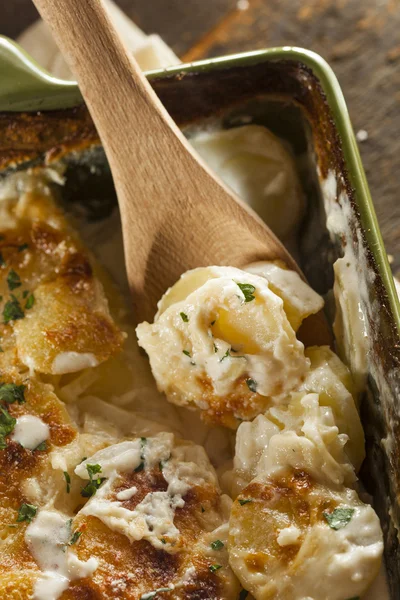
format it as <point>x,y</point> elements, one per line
<point>294,93</point>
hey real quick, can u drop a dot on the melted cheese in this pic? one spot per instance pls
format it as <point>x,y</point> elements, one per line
<point>183,466</point>
<point>199,359</point>
<point>69,362</point>
<point>47,538</point>
<point>30,431</point>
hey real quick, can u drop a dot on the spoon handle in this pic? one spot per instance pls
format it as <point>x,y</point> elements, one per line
<point>175,214</point>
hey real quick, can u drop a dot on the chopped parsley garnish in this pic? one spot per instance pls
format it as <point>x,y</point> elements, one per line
<point>41,447</point>
<point>30,301</point>
<point>228,353</point>
<point>243,595</point>
<point>140,467</point>
<point>25,293</point>
<point>13,280</point>
<point>2,261</point>
<point>214,568</point>
<point>95,482</point>
<point>1,349</point>
<point>203,510</point>
<point>339,518</point>
<point>215,348</point>
<point>187,353</point>
<point>7,424</point>
<point>26,512</point>
<point>244,501</point>
<point>247,290</point>
<point>217,545</point>
<point>74,538</point>
<point>184,317</point>
<point>67,481</point>
<point>12,310</point>
<point>10,393</point>
<point>23,247</point>
<point>251,384</point>
<point>162,463</point>
<point>213,322</point>
<point>150,595</point>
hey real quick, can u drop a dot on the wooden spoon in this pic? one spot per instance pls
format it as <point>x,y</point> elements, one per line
<point>175,214</point>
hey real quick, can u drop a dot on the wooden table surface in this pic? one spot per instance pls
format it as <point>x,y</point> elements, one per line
<point>360,39</point>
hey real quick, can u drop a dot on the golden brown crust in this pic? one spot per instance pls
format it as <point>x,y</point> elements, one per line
<point>68,311</point>
<point>129,569</point>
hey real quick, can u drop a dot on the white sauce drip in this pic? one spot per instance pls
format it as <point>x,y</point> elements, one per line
<point>288,536</point>
<point>70,362</point>
<point>153,518</point>
<point>127,494</point>
<point>30,431</point>
<point>47,538</point>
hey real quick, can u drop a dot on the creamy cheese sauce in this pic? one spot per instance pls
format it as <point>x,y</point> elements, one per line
<point>153,518</point>
<point>30,431</point>
<point>70,362</point>
<point>50,530</point>
<point>48,537</point>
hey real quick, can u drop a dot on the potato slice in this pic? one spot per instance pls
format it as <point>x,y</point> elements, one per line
<point>221,343</point>
<point>291,538</point>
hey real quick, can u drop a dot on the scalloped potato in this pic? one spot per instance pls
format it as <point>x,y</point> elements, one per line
<point>222,343</point>
<point>292,538</point>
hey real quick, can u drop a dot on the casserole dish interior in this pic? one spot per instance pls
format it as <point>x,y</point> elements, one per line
<point>293,93</point>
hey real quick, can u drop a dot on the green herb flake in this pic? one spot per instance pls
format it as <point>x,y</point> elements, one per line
<point>217,545</point>
<point>91,488</point>
<point>74,538</point>
<point>67,481</point>
<point>23,247</point>
<point>339,518</point>
<point>244,501</point>
<point>243,595</point>
<point>184,317</point>
<point>1,349</point>
<point>214,568</point>
<point>26,513</point>
<point>153,594</point>
<point>13,280</point>
<point>162,463</point>
<point>30,301</point>
<point>187,353</point>
<point>7,424</point>
<point>213,322</point>
<point>215,348</point>
<point>227,353</point>
<point>2,261</point>
<point>203,510</point>
<point>140,467</point>
<point>25,293</point>
<point>41,447</point>
<point>10,393</point>
<point>12,310</point>
<point>248,291</point>
<point>251,384</point>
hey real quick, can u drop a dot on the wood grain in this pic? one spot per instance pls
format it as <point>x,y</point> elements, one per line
<point>361,42</point>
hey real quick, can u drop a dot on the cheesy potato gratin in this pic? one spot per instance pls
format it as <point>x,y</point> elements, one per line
<point>235,479</point>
